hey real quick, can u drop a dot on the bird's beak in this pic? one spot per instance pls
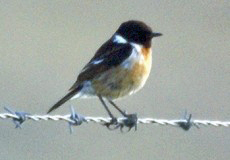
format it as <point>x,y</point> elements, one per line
<point>156,34</point>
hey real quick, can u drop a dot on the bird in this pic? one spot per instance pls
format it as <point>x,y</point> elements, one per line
<point>119,68</point>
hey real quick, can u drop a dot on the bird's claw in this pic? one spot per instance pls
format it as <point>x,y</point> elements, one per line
<point>113,122</point>
<point>188,122</point>
<point>129,121</point>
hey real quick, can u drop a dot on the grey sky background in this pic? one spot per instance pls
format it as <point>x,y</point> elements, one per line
<point>45,44</point>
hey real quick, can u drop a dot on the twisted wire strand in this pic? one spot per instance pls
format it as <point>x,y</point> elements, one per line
<point>102,120</point>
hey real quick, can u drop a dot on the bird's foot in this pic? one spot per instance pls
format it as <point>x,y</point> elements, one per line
<point>113,124</point>
<point>130,121</point>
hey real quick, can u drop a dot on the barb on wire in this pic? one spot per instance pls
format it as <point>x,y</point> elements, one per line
<point>21,117</point>
<point>75,119</point>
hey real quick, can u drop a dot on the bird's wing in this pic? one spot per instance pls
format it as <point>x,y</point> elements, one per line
<point>109,55</point>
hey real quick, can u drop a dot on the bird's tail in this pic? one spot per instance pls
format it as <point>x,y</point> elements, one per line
<point>65,98</point>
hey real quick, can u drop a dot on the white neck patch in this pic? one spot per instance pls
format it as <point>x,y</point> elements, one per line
<point>137,46</point>
<point>119,39</point>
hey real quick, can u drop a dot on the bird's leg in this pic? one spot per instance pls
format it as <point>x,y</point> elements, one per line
<point>113,119</point>
<point>106,107</point>
<point>113,104</point>
<point>131,119</point>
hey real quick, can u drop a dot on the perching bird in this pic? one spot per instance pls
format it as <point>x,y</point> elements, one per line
<point>120,67</point>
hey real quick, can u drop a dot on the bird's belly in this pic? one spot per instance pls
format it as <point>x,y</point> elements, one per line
<point>121,81</point>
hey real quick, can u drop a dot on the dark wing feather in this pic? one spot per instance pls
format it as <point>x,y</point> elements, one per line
<point>112,54</point>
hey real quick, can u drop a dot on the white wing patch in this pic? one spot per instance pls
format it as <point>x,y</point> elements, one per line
<point>119,39</point>
<point>97,61</point>
<point>131,60</point>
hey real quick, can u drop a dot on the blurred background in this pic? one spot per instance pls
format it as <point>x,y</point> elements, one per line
<point>45,44</point>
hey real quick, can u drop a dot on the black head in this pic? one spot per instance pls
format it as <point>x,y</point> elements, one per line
<point>137,32</point>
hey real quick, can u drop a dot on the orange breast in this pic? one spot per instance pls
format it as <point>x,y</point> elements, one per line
<point>120,81</point>
<point>141,70</point>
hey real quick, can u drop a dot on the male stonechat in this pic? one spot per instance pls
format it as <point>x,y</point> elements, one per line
<point>120,67</point>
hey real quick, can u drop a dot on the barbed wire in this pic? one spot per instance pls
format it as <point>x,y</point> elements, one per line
<point>75,119</point>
